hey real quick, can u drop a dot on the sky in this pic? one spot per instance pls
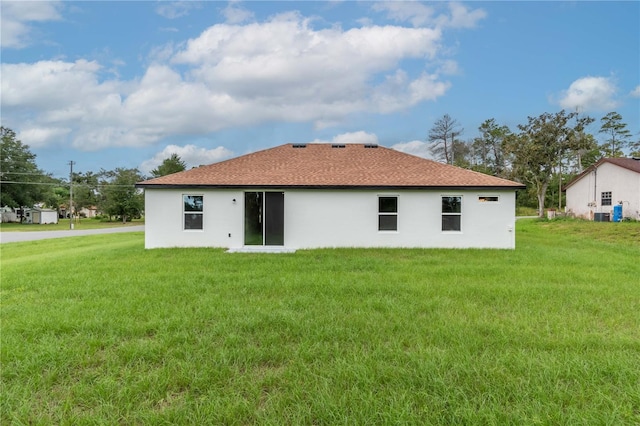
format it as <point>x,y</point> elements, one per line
<point>109,84</point>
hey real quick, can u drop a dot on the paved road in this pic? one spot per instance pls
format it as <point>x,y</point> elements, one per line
<point>12,237</point>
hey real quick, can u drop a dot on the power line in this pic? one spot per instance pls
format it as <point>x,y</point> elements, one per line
<point>30,183</point>
<point>101,185</point>
<point>21,173</point>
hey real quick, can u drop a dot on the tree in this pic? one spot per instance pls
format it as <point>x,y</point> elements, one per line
<point>23,184</point>
<point>635,147</point>
<point>589,153</point>
<point>542,145</point>
<point>488,149</point>
<point>170,165</point>
<point>58,195</point>
<point>85,190</point>
<point>118,195</point>
<point>443,136</point>
<point>617,134</point>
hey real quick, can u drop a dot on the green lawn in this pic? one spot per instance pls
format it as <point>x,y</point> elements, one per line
<point>96,330</point>
<point>63,225</point>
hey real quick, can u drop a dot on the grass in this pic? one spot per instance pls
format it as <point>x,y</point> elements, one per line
<point>63,225</point>
<point>526,211</point>
<point>96,330</point>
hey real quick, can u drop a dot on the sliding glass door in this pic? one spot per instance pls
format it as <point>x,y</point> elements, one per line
<point>264,218</point>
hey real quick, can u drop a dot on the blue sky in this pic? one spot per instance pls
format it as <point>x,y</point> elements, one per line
<point>128,83</point>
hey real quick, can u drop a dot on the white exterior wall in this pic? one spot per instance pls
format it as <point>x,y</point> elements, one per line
<point>336,218</point>
<point>164,221</point>
<point>40,217</point>
<point>584,197</point>
<point>48,216</point>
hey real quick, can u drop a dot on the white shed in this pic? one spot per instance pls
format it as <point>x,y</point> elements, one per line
<point>323,195</point>
<point>610,182</point>
<point>40,216</point>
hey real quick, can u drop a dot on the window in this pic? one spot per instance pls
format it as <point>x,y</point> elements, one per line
<point>192,211</point>
<point>606,198</point>
<point>488,199</point>
<point>451,213</point>
<point>387,213</point>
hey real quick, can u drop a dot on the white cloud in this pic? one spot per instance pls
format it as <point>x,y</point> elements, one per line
<point>16,19</point>
<point>361,137</point>
<point>282,69</point>
<point>449,67</point>
<point>176,9</point>
<point>635,92</point>
<point>590,94</point>
<point>415,12</point>
<point>419,14</point>
<point>418,148</point>
<point>235,14</point>
<point>461,17</point>
<point>192,155</point>
<point>42,136</point>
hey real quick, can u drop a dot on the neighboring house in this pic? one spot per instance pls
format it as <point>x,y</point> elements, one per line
<point>40,216</point>
<point>299,196</point>
<point>595,192</point>
<point>91,211</point>
<point>8,214</point>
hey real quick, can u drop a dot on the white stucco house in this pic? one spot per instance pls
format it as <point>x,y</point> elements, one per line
<point>300,196</point>
<point>595,192</point>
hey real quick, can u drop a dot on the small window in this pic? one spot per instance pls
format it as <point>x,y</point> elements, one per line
<point>488,199</point>
<point>451,213</point>
<point>192,211</point>
<point>387,213</point>
<point>606,198</point>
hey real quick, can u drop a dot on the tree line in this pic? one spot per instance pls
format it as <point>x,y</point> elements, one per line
<point>543,153</point>
<point>110,192</point>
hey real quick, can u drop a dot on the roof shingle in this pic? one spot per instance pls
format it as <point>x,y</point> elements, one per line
<point>329,166</point>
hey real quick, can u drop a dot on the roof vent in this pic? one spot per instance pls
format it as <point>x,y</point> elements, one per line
<point>299,145</point>
<point>338,145</point>
<point>370,145</point>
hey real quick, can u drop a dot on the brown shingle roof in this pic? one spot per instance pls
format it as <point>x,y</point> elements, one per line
<point>328,166</point>
<point>626,163</point>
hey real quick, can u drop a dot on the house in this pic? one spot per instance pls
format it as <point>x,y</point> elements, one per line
<point>40,216</point>
<point>8,214</point>
<point>299,196</point>
<point>90,211</point>
<point>595,192</point>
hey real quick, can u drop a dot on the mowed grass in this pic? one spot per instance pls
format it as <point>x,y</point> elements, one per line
<point>97,330</point>
<point>63,225</point>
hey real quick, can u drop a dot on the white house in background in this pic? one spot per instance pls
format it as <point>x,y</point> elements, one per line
<point>300,196</point>
<point>611,181</point>
<point>40,216</point>
<point>8,214</point>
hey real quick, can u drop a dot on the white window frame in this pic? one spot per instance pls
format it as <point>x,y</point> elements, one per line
<point>389,213</point>
<point>443,214</point>
<point>185,213</point>
<point>609,198</point>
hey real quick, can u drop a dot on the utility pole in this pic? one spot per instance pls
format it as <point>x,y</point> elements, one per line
<point>71,163</point>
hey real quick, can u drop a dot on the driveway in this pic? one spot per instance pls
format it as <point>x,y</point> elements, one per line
<point>12,237</point>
